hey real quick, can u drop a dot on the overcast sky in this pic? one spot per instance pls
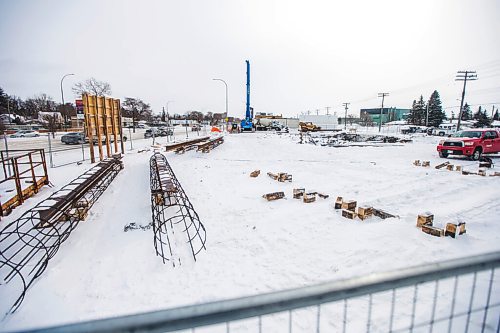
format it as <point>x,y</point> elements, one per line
<point>304,55</point>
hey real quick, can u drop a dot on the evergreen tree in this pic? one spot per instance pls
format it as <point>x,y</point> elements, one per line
<point>482,119</point>
<point>496,116</point>
<point>436,113</point>
<point>417,113</point>
<point>3,101</point>
<point>466,113</point>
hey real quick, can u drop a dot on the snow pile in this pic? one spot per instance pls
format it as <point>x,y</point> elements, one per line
<point>253,245</point>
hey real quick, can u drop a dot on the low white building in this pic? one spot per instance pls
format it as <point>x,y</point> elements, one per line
<point>44,116</point>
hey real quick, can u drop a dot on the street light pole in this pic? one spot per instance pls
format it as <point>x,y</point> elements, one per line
<point>62,96</point>
<point>167,105</point>
<point>226,92</point>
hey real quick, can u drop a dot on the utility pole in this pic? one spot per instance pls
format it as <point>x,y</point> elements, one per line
<point>345,118</point>
<point>328,110</point>
<point>464,76</point>
<point>317,112</point>
<point>381,109</point>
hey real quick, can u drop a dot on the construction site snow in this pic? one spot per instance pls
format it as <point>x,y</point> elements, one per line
<point>255,246</point>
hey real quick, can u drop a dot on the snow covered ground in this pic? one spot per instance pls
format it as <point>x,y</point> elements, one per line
<point>255,246</point>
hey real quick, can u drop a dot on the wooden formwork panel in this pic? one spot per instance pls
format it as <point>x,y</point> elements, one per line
<point>434,231</point>
<point>274,196</point>
<point>348,214</point>
<point>298,192</point>
<point>365,212</point>
<point>349,205</point>
<point>102,121</point>
<point>424,219</point>
<point>338,203</point>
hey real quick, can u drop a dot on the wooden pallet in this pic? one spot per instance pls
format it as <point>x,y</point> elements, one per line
<point>274,196</point>
<point>425,219</point>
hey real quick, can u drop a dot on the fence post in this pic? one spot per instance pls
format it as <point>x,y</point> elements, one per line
<point>83,151</point>
<point>7,155</point>
<point>130,134</point>
<point>50,151</point>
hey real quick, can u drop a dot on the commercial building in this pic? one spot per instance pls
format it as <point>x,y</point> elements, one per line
<point>388,114</point>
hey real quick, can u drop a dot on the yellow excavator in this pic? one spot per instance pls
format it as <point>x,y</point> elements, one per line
<point>308,127</point>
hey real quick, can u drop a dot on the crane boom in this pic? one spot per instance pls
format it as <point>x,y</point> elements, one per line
<point>246,124</point>
<point>247,114</point>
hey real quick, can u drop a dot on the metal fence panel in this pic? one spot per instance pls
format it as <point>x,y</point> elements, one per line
<point>450,296</point>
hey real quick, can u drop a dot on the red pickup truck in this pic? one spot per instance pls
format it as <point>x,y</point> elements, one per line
<point>471,143</point>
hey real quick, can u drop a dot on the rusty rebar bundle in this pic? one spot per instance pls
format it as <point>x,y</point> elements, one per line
<point>172,211</point>
<point>28,243</point>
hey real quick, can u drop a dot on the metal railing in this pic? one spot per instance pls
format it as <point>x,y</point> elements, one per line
<point>28,243</point>
<point>24,170</point>
<point>450,296</point>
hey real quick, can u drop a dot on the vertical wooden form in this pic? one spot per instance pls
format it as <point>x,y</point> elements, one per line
<point>102,119</point>
<point>98,124</point>
<point>106,117</point>
<point>89,116</point>
<point>119,123</point>
<point>113,126</point>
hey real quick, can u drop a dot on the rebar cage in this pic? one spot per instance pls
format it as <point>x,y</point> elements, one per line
<point>28,243</point>
<point>172,211</point>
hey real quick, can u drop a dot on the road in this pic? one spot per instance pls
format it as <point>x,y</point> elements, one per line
<point>42,142</point>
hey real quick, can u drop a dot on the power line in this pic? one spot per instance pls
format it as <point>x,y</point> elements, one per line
<point>456,106</point>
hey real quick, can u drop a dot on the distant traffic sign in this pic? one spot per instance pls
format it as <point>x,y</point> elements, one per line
<point>79,109</point>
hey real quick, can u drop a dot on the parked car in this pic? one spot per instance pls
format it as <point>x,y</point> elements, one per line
<point>195,127</point>
<point>445,129</point>
<point>166,131</point>
<point>25,134</point>
<point>410,129</point>
<point>74,138</point>
<point>162,131</point>
<point>471,143</point>
<point>276,125</point>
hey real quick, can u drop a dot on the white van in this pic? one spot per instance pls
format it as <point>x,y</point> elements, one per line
<point>445,129</point>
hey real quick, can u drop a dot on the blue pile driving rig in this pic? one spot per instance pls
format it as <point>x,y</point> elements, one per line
<point>246,124</point>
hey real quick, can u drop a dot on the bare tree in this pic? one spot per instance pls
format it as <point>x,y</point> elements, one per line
<point>41,103</point>
<point>67,111</point>
<point>137,109</point>
<point>365,119</point>
<point>350,119</point>
<point>195,115</point>
<point>92,86</point>
<point>52,123</point>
